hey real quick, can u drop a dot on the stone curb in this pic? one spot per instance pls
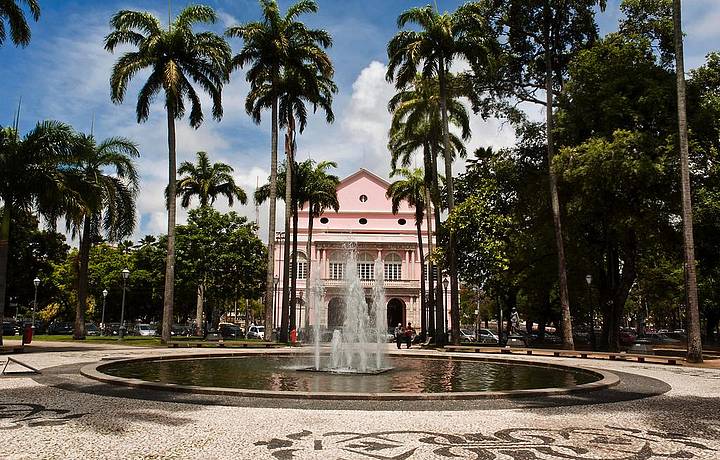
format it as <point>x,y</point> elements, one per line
<point>608,379</point>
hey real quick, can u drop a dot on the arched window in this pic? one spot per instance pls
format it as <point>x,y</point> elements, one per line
<point>366,266</point>
<point>393,267</point>
<point>337,265</point>
<point>302,266</point>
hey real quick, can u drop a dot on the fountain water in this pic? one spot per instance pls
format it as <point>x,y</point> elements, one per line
<point>360,346</point>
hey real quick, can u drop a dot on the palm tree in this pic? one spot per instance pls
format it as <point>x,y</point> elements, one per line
<point>106,202</point>
<point>175,57</point>
<point>206,181</point>
<point>31,179</point>
<point>271,47</point>
<point>11,12</point>
<point>694,345</point>
<point>411,187</point>
<point>318,189</point>
<point>441,39</point>
<point>417,125</point>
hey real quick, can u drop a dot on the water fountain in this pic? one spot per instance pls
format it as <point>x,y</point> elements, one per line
<point>359,347</point>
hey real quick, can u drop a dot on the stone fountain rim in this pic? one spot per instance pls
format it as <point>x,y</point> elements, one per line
<point>607,380</point>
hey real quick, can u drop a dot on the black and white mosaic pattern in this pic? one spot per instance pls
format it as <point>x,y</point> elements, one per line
<point>608,443</point>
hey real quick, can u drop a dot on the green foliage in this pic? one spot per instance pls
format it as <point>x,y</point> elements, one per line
<point>174,56</point>
<point>13,14</point>
<point>206,181</point>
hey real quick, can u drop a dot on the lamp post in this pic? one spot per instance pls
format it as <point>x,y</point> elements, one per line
<point>36,282</point>
<point>125,276</point>
<point>102,320</point>
<point>445,283</point>
<point>588,281</point>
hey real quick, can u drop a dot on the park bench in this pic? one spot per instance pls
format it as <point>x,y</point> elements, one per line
<point>641,358</point>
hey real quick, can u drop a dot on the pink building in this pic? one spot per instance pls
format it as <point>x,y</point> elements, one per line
<point>365,219</point>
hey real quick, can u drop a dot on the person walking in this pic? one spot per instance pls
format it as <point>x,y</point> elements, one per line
<point>399,335</point>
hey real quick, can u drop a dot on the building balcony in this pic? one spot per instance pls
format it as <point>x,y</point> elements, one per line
<point>389,284</point>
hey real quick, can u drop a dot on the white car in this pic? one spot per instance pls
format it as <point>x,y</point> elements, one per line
<point>256,332</point>
<point>145,330</point>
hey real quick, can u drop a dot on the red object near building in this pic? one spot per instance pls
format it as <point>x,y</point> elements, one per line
<point>293,336</point>
<point>27,334</point>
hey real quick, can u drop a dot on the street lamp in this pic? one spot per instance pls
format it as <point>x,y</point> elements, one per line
<point>102,320</point>
<point>36,282</point>
<point>588,281</point>
<point>125,276</point>
<point>445,283</point>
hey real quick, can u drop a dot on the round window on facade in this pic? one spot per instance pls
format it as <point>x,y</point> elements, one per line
<point>363,198</point>
<point>402,221</point>
<point>363,221</point>
<point>324,220</point>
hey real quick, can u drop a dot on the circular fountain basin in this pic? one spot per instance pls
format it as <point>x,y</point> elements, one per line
<point>416,377</point>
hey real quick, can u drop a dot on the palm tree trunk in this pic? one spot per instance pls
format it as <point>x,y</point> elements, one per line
<point>82,287</point>
<point>293,275</point>
<point>199,303</point>
<point>423,301</point>
<point>169,296</point>
<point>270,278</point>
<point>284,324</point>
<point>427,163</point>
<point>566,320</point>
<point>4,250</point>
<point>694,343</point>
<point>452,256</point>
<point>309,268</point>
<point>441,333</point>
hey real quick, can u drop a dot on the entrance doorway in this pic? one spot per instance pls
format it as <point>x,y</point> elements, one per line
<point>336,312</point>
<point>395,312</point>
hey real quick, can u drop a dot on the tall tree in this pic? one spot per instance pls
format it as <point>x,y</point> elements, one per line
<point>440,41</point>
<point>11,13</point>
<point>694,345</point>
<point>275,48</point>
<point>319,193</point>
<point>206,181</point>
<point>106,202</point>
<point>417,126</point>
<point>31,179</point>
<point>175,57</point>
<point>541,37</point>
<point>410,187</point>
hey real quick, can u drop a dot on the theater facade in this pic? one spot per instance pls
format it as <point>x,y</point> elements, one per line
<point>365,221</point>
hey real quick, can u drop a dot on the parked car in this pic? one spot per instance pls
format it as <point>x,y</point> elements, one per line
<point>60,328</point>
<point>487,336</point>
<point>146,330</point>
<point>627,337</point>
<point>661,339</point>
<point>256,332</point>
<point>91,329</point>
<point>178,330</point>
<point>466,335</point>
<point>8,328</point>
<point>230,331</point>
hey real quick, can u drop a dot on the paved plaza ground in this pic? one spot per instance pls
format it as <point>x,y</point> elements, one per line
<point>657,412</point>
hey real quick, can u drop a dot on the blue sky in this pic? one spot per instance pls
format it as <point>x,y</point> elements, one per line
<point>64,75</point>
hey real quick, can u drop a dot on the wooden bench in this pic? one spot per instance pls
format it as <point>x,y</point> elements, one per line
<point>659,359</point>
